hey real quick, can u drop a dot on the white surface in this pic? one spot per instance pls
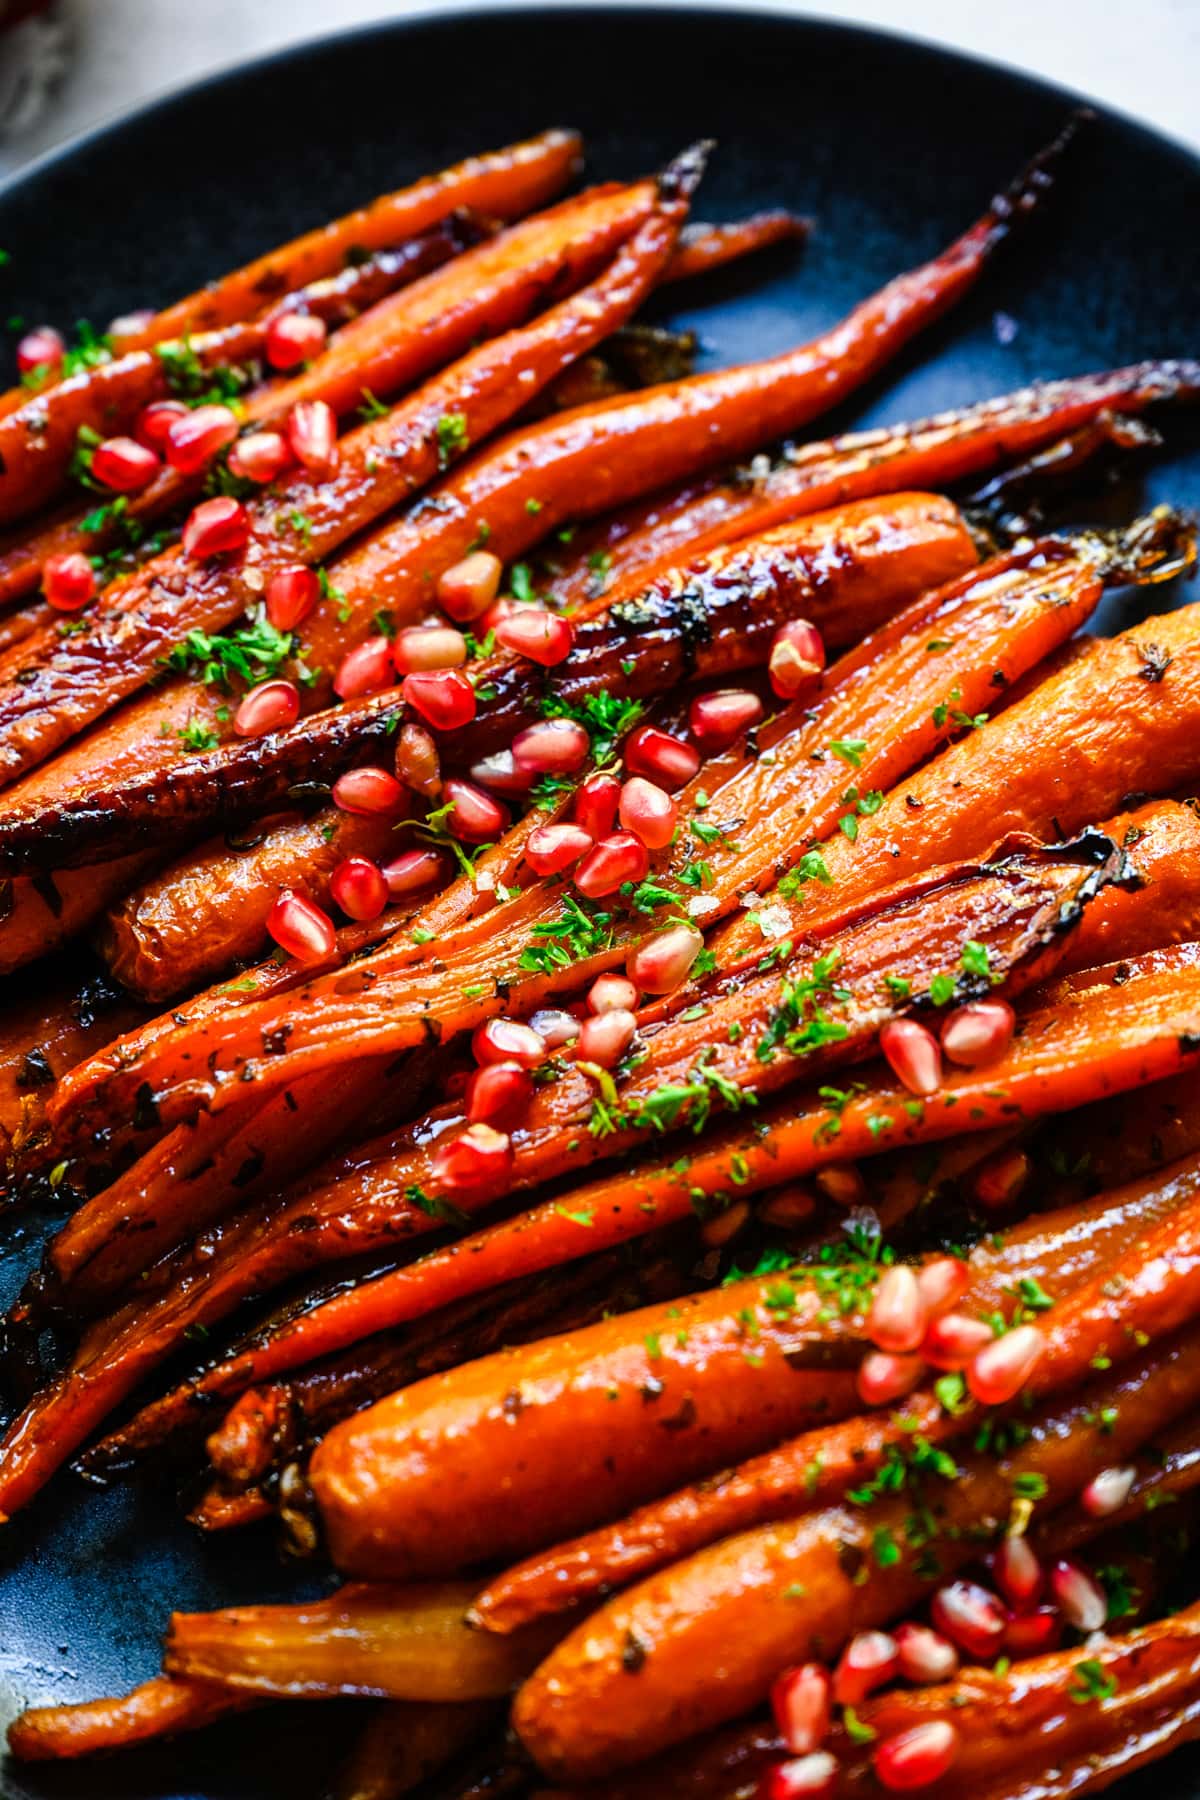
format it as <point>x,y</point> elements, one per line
<point>1142,56</point>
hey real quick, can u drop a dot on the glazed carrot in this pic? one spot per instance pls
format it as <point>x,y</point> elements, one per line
<point>713,1631</point>
<point>703,248</point>
<point>39,914</point>
<point>403,1747</point>
<point>158,1708</point>
<point>49,1029</point>
<point>76,680</point>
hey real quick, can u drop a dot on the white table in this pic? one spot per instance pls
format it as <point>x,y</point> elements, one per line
<point>1142,56</point>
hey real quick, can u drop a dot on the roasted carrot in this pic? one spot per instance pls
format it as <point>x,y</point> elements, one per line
<point>158,1708</point>
<point>38,915</point>
<point>703,248</point>
<point>401,1747</point>
<point>49,1028</point>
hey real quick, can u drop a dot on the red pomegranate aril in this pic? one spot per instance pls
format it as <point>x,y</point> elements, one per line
<point>444,698</point>
<point>499,1095</point>
<point>359,888</point>
<point>294,338</point>
<point>259,456</point>
<point>417,760</point>
<point>1033,1633</point>
<point>884,1376</point>
<point>664,962</point>
<point>271,706</point>
<point>869,1659</point>
<point>499,774</point>
<point>648,811</point>
<point>913,1055</point>
<point>970,1617</point>
<point>797,659</point>
<point>953,1340</point>
<point>1001,1179</point>
<point>534,632</point>
<point>124,465</point>
<point>1079,1597</point>
<point>41,348</point>
<point>367,669</point>
<point>551,747</point>
<point>292,596</point>
<point>615,860</point>
<point>1019,1575</point>
<point>369,794</point>
<point>596,802</point>
<point>423,647</point>
<point>918,1757</point>
<point>718,720</point>
<point>301,928</point>
<point>412,871</point>
<point>202,433</point>
<point>812,1777</point>
<point>68,581</point>
<point>1002,1367</point>
<point>1107,1492</point>
<point>312,433</point>
<point>942,1282</point>
<point>155,421</point>
<point>480,1157</point>
<point>215,527</point>
<point>665,759</point>
<point>508,1040</point>
<point>612,993</point>
<point>605,1037</point>
<point>468,588</point>
<point>554,1026</point>
<point>979,1032</point>
<point>477,818</point>
<point>800,1701</point>
<point>552,848</point>
<point>924,1655</point>
<point>896,1320</point>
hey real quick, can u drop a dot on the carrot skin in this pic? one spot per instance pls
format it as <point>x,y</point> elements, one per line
<point>158,1708</point>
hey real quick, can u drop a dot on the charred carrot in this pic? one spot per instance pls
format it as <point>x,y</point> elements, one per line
<point>158,1708</point>
<point>48,1030</point>
<point>39,914</point>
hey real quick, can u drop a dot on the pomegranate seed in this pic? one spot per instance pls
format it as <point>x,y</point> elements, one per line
<point>1080,1598</point>
<point>952,1340</point>
<point>508,1040</point>
<point>664,962</point>
<point>259,456</point>
<point>915,1758</point>
<point>796,660</point>
<point>359,888</point>
<point>271,706</point>
<point>942,1282</point>
<point>614,861</point>
<point>1001,1179</point>
<point>913,1054</point>
<point>312,433</point>
<point>155,421</point>
<point>665,759</point>
<point>544,637</point>
<point>717,720</point>
<point>896,1320</point>
<point>612,993</point>
<point>978,1032</point>
<point>925,1656</point>
<point>480,1157</point>
<point>1017,1570</point>
<point>124,465</point>
<point>476,818</point>
<point>869,1659</point>
<point>554,1026</point>
<point>369,794</point>
<point>552,848</point>
<point>970,1616</point>
<point>68,581</point>
<point>500,775</point>
<point>503,608</point>
<point>800,1701</point>
<point>605,1037</point>
<point>596,802</point>
<point>293,338</point>
<point>552,747</point>
<point>301,928</point>
<point>367,669</point>
<point>216,526</point>
<point>202,433</point>
<point>1107,1492</point>
<point>1002,1367</point>
<point>41,348</point>
<point>469,587</point>
<point>843,1184</point>
<point>805,1778</point>
<point>1033,1633</point>
<point>423,647</point>
<point>443,697</point>
<point>884,1376</point>
<point>498,1094</point>
<point>417,760</point>
<point>412,871</point>
<point>649,812</point>
<point>292,594</point>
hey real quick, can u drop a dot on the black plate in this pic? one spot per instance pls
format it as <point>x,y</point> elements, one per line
<point>891,146</point>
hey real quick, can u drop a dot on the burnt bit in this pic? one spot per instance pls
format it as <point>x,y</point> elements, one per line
<point>145,1108</point>
<point>35,1071</point>
<point>1155,662</point>
<point>634,1651</point>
